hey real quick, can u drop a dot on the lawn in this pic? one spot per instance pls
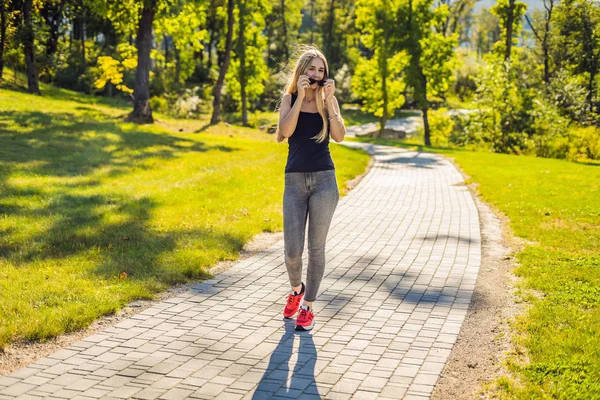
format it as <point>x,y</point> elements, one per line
<point>555,206</point>
<point>96,212</point>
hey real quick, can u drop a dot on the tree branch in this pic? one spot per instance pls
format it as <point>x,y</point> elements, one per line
<point>532,28</point>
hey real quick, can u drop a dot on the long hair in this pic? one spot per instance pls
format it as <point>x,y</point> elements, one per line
<point>304,61</point>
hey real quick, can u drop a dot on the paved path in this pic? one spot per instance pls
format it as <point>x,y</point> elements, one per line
<point>403,256</point>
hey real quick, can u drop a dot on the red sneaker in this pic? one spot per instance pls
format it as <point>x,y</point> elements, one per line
<point>293,303</point>
<point>305,320</point>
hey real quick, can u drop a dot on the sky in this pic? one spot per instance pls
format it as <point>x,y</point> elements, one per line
<point>531,4</point>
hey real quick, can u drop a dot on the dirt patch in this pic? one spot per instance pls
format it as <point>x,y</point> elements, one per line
<point>485,337</point>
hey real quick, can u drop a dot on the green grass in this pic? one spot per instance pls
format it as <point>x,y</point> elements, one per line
<point>555,206</point>
<point>85,197</point>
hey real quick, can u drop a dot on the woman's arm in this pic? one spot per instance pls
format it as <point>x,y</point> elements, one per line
<point>336,122</point>
<point>288,115</point>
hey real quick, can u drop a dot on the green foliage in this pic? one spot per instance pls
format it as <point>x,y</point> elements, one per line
<point>486,32</point>
<point>437,61</point>
<point>280,42</point>
<point>441,126</point>
<point>465,73</point>
<point>502,11</point>
<point>257,74</point>
<point>124,15</point>
<point>584,143</point>
<point>568,92</point>
<point>577,45</point>
<point>367,83</point>
<point>436,51</point>
<point>378,80</point>
<point>551,130</point>
<point>182,27</point>
<point>111,70</point>
<point>501,117</point>
<point>254,43</point>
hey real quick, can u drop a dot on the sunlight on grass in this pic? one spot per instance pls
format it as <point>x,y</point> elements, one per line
<point>85,197</point>
<point>555,205</point>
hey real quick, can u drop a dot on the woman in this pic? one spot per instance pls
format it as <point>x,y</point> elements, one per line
<point>309,114</point>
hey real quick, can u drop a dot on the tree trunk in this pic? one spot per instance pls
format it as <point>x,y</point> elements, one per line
<point>241,50</point>
<point>590,96</point>
<point>216,116</point>
<point>83,62</point>
<point>312,18</point>
<point>424,105</point>
<point>328,42</point>
<point>53,14</point>
<point>545,45</point>
<point>384,75</point>
<point>285,46</point>
<point>177,66</point>
<point>166,43</point>
<point>141,93</point>
<point>509,28</point>
<point>28,47</point>
<point>546,56</point>
<point>2,35</point>
<point>211,25</point>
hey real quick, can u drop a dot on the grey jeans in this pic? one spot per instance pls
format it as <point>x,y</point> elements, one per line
<point>312,196</point>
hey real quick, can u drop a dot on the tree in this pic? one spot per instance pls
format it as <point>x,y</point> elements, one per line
<point>52,12</point>
<point>578,45</point>
<point>509,12</point>
<point>281,31</point>
<point>216,116</point>
<point>429,71</point>
<point>181,24</point>
<point>378,80</point>
<point>248,71</point>
<point>28,36</point>
<point>544,37</point>
<point>142,113</point>
<point>3,13</point>
<point>487,32</point>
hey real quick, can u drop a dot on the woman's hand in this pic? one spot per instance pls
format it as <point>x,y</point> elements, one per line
<point>329,89</point>
<point>302,84</point>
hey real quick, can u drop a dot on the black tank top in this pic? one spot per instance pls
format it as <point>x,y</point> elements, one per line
<point>304,153</point>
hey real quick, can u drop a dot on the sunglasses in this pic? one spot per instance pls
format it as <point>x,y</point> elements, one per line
<point>320,83</point>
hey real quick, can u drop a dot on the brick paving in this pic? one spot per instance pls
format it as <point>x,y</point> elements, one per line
<point>402,260</point>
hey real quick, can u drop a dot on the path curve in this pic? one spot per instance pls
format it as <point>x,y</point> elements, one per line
<point>403,257</point>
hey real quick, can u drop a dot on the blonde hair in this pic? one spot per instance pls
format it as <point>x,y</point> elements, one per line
<point>305,61</point>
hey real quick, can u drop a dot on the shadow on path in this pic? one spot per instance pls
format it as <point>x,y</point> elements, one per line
<point>277,381</point>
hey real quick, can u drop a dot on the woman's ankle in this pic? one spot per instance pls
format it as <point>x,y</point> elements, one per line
<point>298,289</point>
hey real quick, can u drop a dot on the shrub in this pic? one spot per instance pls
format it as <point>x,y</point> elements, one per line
<point>584,143</point>
<point>441,125</point>
<point>159,104</point>
<point>551,137</point>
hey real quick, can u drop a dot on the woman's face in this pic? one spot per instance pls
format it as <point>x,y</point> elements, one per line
<point>316,70</point>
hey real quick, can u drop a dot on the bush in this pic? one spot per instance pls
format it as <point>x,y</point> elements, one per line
<point>551,137</point>
<point>584,143</point>
<point>159,104</point>
<point>465,75</point>
<point>569,93</point>
<point>502,120</point>
<point>441,125</point>
<point>184,105</point>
